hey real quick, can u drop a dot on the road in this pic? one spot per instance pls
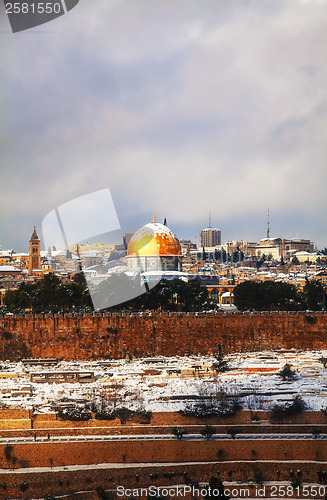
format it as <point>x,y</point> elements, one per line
<point>149,437</point>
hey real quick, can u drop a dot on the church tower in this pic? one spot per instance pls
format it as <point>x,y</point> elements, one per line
<point>34,253</point>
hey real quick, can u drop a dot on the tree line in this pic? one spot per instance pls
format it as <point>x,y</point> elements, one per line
<point>52,295</point>
<point>279,296</point>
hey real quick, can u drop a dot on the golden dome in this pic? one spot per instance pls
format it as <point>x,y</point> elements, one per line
<point>154,239</point>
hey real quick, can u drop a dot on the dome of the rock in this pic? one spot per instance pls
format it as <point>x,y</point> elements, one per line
<point>154,239</point>
<point>154,247</point>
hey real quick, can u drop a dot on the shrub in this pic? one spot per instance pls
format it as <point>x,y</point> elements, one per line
<point>9,451</point>
<point>298,406</point>
<point>287,373</point>
<point>124,414</point>
<point>324,410</point>
<point>216,486</point>
<point>296,482</point>
<point>76,413</point>
<point>258,476</point>
<point>24,486</point>
<point>144,416</point>
<point>280,411</point>
<point>208,431</point>
<point>232,432</point>
<point>179,433</point>
<point>101,493</point>
<point>105,414</point>
<point>204,409</point>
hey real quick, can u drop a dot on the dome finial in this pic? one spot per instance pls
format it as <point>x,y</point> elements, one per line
<point>154,217</point>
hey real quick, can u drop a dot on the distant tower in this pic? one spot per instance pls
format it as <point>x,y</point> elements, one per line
<point>210,237</point>
<point>34,253</point>
<point>268,226</point>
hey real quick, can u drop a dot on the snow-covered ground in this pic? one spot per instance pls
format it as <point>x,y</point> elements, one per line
<point>167,384</point>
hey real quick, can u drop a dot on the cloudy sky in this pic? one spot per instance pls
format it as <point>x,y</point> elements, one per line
<point>177,106</point>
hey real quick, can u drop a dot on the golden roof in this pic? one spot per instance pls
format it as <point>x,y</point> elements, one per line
<point>154,239</point>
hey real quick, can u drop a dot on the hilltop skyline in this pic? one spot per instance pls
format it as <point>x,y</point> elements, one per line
<point>186,235</point>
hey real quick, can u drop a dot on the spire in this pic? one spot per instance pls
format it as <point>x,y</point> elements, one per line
<point>165,222</point>
<point>268,226</point>
<point>34,236</point>
<point>209,218</point>
<point>154,217</point>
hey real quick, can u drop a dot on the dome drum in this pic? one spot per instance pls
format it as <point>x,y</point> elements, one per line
<point>146,263</point>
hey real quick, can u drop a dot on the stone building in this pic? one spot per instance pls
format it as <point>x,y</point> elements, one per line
<point>34,253</point>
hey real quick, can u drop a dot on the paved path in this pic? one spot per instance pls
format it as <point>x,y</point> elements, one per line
<point>149,465</point>
<point>151,437</point>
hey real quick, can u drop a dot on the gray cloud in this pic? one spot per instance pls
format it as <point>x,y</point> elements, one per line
<point>176,106</point>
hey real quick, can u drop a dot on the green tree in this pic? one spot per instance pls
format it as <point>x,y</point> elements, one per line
<point>174,295</point>
<point>267,296</point>
<point>287,373</point>
<point>280,411</point>
<point>220,364</point>
<point>49,294</point>
<point>314,295</point>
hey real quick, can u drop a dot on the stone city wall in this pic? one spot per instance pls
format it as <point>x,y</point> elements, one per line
<point>33,484</point>
<point>67,453</point>
<point>95,336</point>
<point>145,463</point>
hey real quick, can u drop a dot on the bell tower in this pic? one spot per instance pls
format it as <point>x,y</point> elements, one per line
<point>34,253</point>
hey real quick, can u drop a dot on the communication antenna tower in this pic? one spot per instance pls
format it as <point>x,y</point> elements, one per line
<point>268,226</point>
